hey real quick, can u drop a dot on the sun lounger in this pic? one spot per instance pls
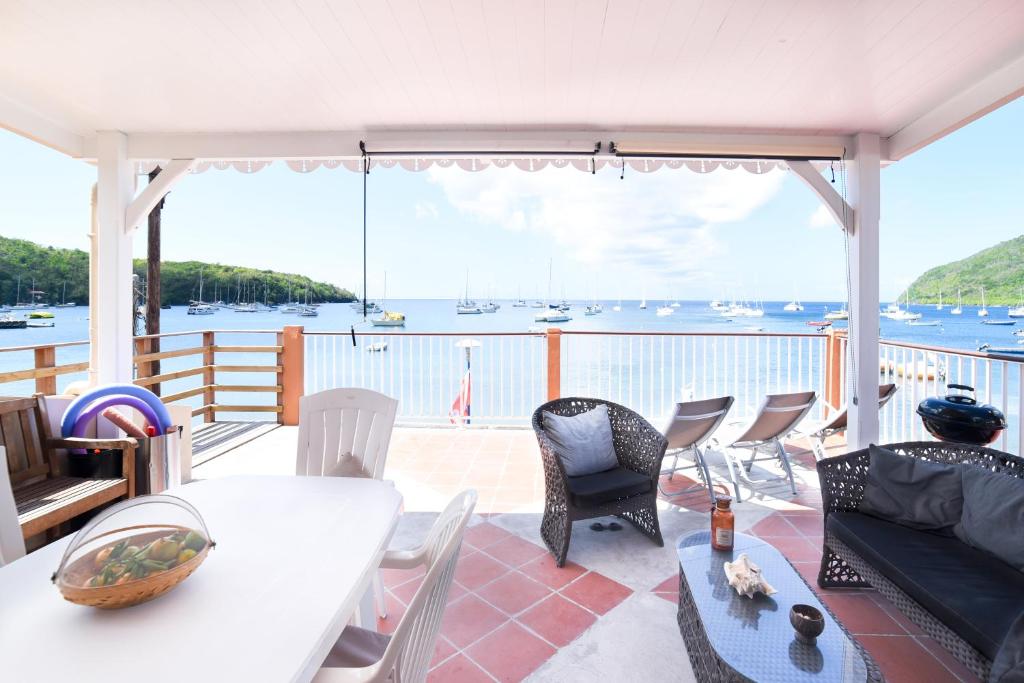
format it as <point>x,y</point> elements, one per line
<point>838,422</point>
<point>691,425</point>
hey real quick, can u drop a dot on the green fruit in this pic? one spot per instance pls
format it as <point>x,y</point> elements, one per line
<point>163,550</point>
<point>195,541</point>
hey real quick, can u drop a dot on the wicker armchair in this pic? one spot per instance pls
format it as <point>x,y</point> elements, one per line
<point>639,448</point>
<point>842,488</point>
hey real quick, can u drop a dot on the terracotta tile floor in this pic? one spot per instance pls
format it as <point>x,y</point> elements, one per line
<point>513,615</point>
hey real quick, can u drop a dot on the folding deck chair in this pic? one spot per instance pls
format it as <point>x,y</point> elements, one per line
<point>691,425</point>
<point>778,415</point>
<point>838,422</point>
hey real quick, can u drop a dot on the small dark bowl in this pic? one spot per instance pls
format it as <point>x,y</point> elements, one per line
<point>808,622</point>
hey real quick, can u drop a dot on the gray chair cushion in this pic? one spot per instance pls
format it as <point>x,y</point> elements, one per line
<point>976,595</point>
<point>582,442</point>
<point>357,647</point>
<point>915,493</point>
<point>993,514</point>
<point>603,487</point>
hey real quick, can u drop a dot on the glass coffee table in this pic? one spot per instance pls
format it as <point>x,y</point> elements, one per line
<point>730,637</point>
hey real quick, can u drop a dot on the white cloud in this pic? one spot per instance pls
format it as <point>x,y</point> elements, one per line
<point>662,221</point>
<point>426,210</point>
<point>822,218</point>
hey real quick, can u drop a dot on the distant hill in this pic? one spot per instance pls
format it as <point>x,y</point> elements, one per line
<point>50,267</point>
<point>999,269</point>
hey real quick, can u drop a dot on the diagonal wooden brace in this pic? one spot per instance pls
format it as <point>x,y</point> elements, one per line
<point>155,191</point>
<point>834,202</point>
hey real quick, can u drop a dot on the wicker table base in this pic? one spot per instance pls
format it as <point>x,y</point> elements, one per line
<point>733,638</point>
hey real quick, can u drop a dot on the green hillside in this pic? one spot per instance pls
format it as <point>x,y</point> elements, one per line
<point>999,269</point>
<point>50,267</point>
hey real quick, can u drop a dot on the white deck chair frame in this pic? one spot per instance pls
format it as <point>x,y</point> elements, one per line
<point>838,422</point>
<point>407,656</point>
<point>715,419</point>
<point>772,444</point>
<point>346,432</point>
<point>12,543</point>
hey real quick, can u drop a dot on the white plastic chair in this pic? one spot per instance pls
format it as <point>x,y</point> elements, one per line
<point>345,433</point>
<point>12,544</point>
<point>366,656</point>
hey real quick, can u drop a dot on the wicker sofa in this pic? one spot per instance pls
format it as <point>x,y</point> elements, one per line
<point>639,448</point>
<point>965,599</point>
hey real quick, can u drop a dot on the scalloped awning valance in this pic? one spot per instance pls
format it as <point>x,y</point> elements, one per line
<point>587,164</point>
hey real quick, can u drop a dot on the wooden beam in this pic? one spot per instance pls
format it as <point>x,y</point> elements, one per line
<point>980,97</point>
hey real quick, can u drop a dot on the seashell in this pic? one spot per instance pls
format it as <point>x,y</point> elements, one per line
<point>745,577</point>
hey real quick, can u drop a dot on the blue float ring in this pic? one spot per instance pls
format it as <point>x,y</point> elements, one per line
<point>67,423</point>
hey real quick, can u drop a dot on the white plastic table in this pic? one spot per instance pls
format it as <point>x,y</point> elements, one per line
<point>294,557</point>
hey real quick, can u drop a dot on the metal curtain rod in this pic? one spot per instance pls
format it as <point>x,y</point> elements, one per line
<point>745,157</point>
<point>482,152</point>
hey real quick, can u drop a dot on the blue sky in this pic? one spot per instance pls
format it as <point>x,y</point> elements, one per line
<point>668,234</point>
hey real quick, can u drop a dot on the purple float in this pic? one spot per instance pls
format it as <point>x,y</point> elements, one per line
<point>157,416</point>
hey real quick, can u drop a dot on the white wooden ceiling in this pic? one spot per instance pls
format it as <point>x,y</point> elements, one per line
<point>811,67</point>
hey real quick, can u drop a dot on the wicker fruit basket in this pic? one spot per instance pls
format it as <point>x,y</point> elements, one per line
<point>132,552</point>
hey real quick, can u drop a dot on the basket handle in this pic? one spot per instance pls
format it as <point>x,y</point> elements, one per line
<point>124,504</point>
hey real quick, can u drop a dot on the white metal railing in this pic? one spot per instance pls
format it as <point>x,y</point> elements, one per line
<point>922,371</point>
<point>424,371</point>
<point>650,372</point>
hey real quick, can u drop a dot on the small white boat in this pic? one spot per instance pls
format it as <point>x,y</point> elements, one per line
<point>663,311</point>
<point>553,316</point>
<point>197,308</point>
<point>377,347</point>
<point>1018,310</point>
<point>675,304</point>
<point>959,307</point>
<point>923,323</point>
<point>467,308</point>
<point>841,314</point>
<point>39,323</point>
<point>983,311</point>
<point>308,312</point>
<point>643,305</point>
<point>939,306</point>
<point>490,307</point>
<point>538,304</point>
<point>519,303</point>
<point>793,307</point>
<point>389,319</point>
<point>590,310</point>
<point>998,322</point>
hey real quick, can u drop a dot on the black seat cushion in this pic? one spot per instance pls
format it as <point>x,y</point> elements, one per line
<point>976,595</point>
<point>592,490</point>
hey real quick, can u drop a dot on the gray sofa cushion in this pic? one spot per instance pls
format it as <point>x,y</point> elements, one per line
<point>582,442</point>
<point>915,493</point>
<point>993,515</point>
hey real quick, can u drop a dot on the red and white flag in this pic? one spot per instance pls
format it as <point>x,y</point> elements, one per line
<point>459,414</point>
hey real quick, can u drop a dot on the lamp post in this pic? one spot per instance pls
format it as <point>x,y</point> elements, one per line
<point>468,345</point>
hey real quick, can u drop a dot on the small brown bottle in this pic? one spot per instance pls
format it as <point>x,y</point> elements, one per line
<point>723,523</point>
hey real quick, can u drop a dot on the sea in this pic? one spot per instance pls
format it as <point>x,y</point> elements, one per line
<point>648,373</point>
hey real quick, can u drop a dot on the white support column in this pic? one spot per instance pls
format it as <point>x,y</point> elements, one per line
<point>864,190</point>
<point>111,264</point>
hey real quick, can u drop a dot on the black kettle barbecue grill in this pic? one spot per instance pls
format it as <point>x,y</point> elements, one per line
<point>960,418</point>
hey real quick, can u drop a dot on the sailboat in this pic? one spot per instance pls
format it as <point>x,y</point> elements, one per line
<point>983,311</point>
<point>1018,310</point>
<point>664,310</point>
<point>388,318</point>
<point>465,306</point>
<point>617,307</point>
<point>198,307</point>
<point>520,302</point>
<point>643,304</point>
<point>959,307</point>
<point>939,306</point>
<point>554,314</point>
<point>19,305</point>
<point>64,303</point>
<point>793,306</point>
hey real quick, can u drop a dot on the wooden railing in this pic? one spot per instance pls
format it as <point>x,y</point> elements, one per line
<point>258,360</point>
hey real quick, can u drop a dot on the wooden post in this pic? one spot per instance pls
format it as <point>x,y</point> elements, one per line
<point>46,357</point>
<point>554,339</point>
<point>153,284</point>
<point>835,358</point>
<point>293,373</point>
<point>280,376</point>
<point>209,376</point>
<point>143,369</point>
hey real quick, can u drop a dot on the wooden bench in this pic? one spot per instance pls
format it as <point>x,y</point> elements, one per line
<point>44,497</point>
